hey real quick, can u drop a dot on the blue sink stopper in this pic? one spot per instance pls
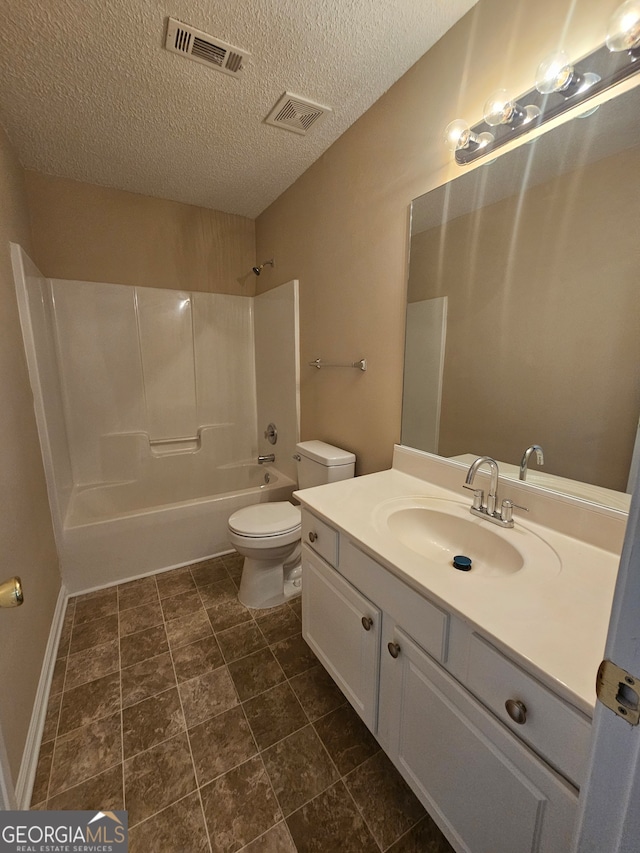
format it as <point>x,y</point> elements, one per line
<point>462,563</point>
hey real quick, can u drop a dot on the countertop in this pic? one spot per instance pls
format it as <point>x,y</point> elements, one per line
<point>553,622</point>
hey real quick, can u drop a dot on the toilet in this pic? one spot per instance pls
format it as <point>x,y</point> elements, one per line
<point>267,535</point>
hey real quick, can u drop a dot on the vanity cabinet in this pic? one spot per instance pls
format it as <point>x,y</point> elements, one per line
<point>343,628</point>
<point>431,690</point>
<point>485,788</point>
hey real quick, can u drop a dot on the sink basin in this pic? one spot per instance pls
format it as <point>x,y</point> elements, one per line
<point>441,536</point>
<point>440,529</point>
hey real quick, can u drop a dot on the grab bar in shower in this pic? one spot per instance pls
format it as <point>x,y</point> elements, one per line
<point>179,444</point>
<point>361,364</point>
<point>182,440</point>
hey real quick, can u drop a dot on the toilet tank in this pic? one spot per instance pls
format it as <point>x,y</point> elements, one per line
<point>319,463</point>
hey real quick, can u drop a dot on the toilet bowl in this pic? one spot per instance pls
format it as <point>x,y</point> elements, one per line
<point>267,535</point>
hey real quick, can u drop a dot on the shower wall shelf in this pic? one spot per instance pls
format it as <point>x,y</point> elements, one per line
<point>361,364</point>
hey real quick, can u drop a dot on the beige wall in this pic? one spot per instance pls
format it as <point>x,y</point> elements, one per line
<point>341,229</point>
<point>89,233</point>
<point>542,332</point>
<point>27,547</point>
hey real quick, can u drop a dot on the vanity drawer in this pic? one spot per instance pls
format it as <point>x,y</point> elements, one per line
<point>555,730</point>
<point>321,537</point>
<point>427,624</point>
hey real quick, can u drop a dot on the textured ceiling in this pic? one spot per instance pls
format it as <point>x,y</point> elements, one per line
<point>87,90</point>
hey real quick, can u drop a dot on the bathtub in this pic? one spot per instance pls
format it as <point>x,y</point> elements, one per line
<point>118,531</point>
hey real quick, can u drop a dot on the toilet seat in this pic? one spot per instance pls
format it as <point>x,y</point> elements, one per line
<point>266,520</point>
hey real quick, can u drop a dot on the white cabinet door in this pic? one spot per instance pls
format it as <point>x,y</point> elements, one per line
<point>488,792</point>
<point>343,629</point>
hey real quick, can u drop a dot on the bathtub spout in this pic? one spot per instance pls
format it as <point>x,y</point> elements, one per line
<point>270,457</point>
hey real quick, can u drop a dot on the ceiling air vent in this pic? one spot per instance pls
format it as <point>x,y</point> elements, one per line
<point>203,48</point>
<point>295,114</point>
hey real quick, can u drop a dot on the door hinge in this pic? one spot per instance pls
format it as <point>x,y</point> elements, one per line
<point>618,690</point>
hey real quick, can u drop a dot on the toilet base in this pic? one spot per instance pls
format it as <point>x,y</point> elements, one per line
<point>263,584</point>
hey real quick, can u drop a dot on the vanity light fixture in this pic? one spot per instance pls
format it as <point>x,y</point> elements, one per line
<point>561,84</point>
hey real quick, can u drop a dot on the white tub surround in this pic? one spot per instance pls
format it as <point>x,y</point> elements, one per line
<point>35,303</point>
<point>277,344</point>
<point>479,685</point>
<point>147,373</point>
<point>147,414</point>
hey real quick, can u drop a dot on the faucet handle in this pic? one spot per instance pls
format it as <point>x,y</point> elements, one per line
<point>478,496</point>
<point>507,509</point>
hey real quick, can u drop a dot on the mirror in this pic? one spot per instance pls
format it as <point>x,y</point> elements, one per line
<point>523,308</point>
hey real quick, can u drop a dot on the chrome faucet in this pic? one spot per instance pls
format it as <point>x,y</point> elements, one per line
<point>270,457</point>
<point>488,511</point>
<point>492,497</point>
<point>534,448</point>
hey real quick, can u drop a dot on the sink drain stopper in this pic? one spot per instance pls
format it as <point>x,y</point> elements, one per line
<point>462,563</point>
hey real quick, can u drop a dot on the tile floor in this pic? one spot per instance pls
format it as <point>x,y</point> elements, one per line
<point>215,727</point>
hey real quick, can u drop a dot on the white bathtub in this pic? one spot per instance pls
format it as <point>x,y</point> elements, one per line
<point>118,531</point>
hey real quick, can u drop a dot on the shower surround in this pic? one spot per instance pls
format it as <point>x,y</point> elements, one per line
<point>148,410</point>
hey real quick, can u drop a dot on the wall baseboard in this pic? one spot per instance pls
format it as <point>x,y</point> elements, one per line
<point>26,776</point>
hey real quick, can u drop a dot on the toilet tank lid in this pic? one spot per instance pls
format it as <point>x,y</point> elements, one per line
<point>325,453</point>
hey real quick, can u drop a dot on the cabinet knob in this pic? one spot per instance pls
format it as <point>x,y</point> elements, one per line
<point>394,649</point>
<point>367,622</point>
<point>312,536</point>
<point>517,710</point>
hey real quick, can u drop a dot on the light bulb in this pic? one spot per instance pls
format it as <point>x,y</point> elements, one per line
<point>458,135</point>
<point>500,108</point>
<point>554,73</point>
<point>557,74</point>
<point>624,27</point>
